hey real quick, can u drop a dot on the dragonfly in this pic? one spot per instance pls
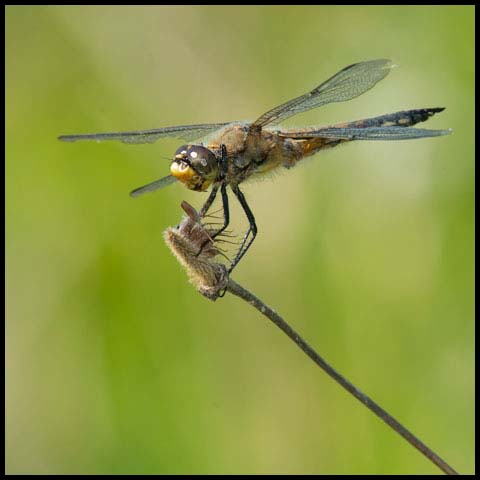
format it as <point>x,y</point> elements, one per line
<point>224,155</point>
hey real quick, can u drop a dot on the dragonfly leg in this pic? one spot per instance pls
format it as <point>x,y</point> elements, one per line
<point>211,198</point>
<point>252,229</point>
<point>213,193</point>
<point>226,211</point>
<point>223,191</point>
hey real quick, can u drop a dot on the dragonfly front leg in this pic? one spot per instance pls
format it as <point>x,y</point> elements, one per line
<point>223,190</point>
<point>210,200</point>
<point>252,229</point>
<point>226,212</point>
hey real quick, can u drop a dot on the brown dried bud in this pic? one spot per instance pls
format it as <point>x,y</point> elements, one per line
<point>194,248</point>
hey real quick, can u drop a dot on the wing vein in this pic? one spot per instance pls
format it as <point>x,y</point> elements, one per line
<point>186,132</point>
<point>348,83</point>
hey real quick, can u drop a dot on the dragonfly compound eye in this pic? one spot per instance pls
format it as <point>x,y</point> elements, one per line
<point>195,166</point>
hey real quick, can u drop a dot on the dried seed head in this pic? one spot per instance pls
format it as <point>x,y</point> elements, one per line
<point>194,248</point>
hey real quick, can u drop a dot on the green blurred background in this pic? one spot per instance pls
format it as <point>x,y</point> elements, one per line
<point>116,365</point>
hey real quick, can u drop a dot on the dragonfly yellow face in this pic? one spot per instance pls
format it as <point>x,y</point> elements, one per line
<point>233,152</point>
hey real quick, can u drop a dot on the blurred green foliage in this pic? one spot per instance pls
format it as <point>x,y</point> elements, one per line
<point>114,364</point>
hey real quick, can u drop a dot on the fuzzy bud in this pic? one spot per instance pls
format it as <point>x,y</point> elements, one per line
<point>192,245</point>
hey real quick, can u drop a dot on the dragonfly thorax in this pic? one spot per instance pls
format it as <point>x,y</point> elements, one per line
<point>195,166</point>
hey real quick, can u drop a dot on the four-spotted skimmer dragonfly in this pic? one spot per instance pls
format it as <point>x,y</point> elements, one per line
<point>233,152</point>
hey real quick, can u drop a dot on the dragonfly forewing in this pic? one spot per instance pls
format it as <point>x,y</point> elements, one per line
<point>185,132</point>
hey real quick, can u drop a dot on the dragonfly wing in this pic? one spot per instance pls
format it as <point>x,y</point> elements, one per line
<point>186,132</point>
<point>348,83</point>
<point>405,118</point>
<point>368,133</point>
<point>156,185</point>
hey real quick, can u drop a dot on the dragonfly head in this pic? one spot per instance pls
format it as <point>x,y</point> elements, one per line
<point>195,166</point>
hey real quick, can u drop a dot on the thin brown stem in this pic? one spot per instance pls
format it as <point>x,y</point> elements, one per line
<point>236,289</point>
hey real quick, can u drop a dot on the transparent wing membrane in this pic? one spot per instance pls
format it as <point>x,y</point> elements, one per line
<point>348,83</point>
<point>369,133</point>
<point>185,132</point>
<point>151,187</point>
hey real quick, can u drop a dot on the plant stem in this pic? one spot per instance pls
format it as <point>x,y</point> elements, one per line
<point>236,289</point>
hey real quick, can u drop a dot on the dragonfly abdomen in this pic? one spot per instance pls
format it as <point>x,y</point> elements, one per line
<point>307,147</point>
